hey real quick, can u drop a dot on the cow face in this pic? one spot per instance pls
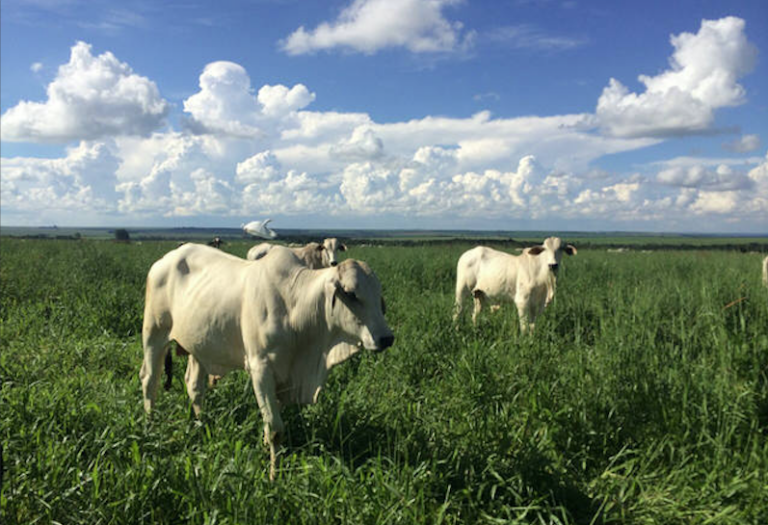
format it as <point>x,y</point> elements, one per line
<point>358,307</point>
<point>329,248</point>
<point>551,253</point>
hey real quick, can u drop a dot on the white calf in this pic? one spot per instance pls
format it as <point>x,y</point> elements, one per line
<point>529,279</point>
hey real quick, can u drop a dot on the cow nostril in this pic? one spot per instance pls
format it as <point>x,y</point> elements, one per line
<point>386,341</point>
<point>553,266</point>
<point>334,263</point>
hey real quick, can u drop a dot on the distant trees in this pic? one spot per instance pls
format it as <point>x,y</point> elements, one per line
<point>121,235</point>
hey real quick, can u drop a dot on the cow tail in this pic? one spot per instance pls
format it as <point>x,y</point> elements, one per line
<point>168,370</point>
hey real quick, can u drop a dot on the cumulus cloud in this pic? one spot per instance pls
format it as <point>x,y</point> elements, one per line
<point>368,26</point>
<point>182,180</point>
<point>225,102</point>
<point>226,105</point>
<point>722,178</point>
<point>92,97</point>
<point>703,76</point>
<point>362,144</point>
<point>744,144</point>
<point>83,180</point>
<point>252,151</point>
<point>262,167</point>
<point>279,101</point>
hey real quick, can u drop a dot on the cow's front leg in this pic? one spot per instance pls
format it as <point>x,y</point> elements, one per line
<point>264,387</point>
<point>196,380</point>
<point>524,311</point>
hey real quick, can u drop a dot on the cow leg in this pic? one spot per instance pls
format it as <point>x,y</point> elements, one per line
<point>458,304</point>
<point>196,379</point>
<point>480,300</point>
<point>155,347</point>
<point>264,387</point>
<point>525,312</point>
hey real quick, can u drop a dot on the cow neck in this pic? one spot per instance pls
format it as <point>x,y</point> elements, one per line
<point>307,293</point>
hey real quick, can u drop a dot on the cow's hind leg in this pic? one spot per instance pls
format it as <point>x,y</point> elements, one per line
<point>196,379</point>
<point>264,387</point>
<point>480,300</point>
<point>155,341</point>
<point>458,305</point>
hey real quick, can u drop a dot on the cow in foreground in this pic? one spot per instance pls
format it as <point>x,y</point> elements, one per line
<point>314,255</point>
<point>529,279</point>
<point>274,318</point>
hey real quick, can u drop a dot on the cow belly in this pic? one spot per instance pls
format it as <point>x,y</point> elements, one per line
<point>304,381</point>
<point>218,351</point>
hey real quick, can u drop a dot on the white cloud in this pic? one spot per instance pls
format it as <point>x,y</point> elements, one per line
<point>527,36</point>
<point>757,204</point>
<point>705,68</point>
<point>226,105</point>
<point>722,178</point>
<point>250,152</point>
<point>744,144</point>
<point>368,26</point>
<point>92,97</point>
<point>718,202</point>
<point>36,67</point>
<point>180,180</point>
<point>362,145</point>
<point>279,101</point>
<point>83,180</point>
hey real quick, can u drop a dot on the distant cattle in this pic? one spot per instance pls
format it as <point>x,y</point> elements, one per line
<point>275,318</point>
<point>529,279</point>
<point>314,255</point>
<point>216,242</point>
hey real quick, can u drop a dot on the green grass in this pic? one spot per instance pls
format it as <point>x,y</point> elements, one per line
<point>641,398</point>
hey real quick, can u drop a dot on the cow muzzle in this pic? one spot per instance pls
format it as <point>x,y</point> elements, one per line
<point>380,344</point>
<point>334,263</point>
<point>386,341</point>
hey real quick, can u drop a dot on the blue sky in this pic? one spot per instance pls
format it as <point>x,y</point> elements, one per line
<point>519,114</point>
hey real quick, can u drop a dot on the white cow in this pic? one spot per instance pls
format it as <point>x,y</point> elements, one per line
<point>765,271</point>
<point>314,255</point>
<point>529,278</point>
<point>274,318</point>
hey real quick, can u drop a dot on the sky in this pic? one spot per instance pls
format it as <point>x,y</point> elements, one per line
<point>396,114</point>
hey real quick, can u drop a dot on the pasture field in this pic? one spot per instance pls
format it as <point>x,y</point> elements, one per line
<point>641,398</point>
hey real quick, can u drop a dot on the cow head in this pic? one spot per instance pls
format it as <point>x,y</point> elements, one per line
<point>551,252</point>
<point>357,306</point>
<point>329,249</point>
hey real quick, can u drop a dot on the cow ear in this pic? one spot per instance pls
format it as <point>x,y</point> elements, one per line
<point>320,247</point>
<point>570,249</point>
<point>342,247</point>
<point>536,250</point>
